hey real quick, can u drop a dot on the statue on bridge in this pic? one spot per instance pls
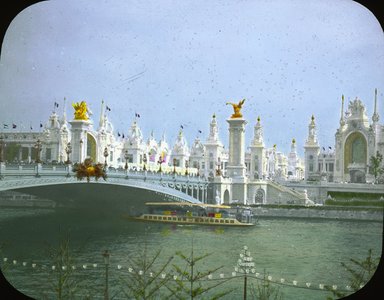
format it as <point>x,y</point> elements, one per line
<point>237,109</point>
<point>89,169</point>
<point>81,110</point>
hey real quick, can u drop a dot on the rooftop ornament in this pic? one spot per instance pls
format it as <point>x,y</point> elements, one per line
<point>81,110</point>
<point>237,109</point>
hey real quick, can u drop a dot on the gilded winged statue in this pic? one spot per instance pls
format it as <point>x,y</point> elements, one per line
<point>81,110</point>
<point>237,109</point>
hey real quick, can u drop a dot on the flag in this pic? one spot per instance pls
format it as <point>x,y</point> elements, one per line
<point>5,125</point>
<point>41,125</point>
<point>123,135</point>
<point>181,126</point>
<point>323,149</point>
<point>31,128</point>
<point>56,104</point>
<point>108,108</point>
<point>200,131</point>
<point>330,147</point>
<point>14,126</point>
<point>137,115</point>
<point>118,133</point>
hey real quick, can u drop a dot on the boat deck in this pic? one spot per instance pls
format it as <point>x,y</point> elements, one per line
<point>197,220</point>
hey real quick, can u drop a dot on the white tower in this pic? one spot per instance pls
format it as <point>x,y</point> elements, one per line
<point>311,152</point>
<point>213,149</point>
<point>257,148</point>
<point>236,162</point>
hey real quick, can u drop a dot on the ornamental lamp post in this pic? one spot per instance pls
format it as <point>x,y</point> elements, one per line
<point>68,150</point>
<point>160,161</point>
<point>245,265</point>
<point>105,157</point>
<point>145,162</point>
<point>186,167</point>
<point>106,256</point>
<point>38,161</point>
<point>174,166</point>
<point>126,156</point>
<point>38,150</point>
<point>2,145</point>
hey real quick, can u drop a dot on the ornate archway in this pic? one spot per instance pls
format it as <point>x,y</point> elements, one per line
<point>91,147</point>
<point>355,150</point>
<point>355,156</point>
<point>259,196</point>
<point>226,197</point>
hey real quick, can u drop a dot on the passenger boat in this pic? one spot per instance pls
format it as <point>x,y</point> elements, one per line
<point>196,214</point>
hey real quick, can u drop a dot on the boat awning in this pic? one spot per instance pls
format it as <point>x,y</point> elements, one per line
<point>203,205</point>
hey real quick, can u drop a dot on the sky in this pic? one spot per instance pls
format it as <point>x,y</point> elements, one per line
<point>176,63</point>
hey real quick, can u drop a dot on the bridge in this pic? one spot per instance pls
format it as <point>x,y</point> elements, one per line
<point>172,187</point>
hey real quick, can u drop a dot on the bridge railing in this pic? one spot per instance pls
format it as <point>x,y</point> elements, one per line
<point>11,170</point>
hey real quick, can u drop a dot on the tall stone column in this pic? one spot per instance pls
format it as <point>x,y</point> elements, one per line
<point>79,129</point>
<point>236,164</point>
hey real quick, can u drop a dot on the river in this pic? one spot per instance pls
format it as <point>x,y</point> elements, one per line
<point>307,251</point>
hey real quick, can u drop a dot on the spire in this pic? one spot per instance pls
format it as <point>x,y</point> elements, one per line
<point>64,111</point>
<point>375,117</point>
<point>258,134</point>
<point>312,138</point>
<point>342,122</point>
<point>213,132</point>
<point>102,112</point>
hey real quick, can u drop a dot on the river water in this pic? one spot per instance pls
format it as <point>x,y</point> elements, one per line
<point>308,251</point>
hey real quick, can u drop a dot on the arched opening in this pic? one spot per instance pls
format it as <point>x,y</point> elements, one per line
<point>91,147</point>
<point>226,197</point>
<point>259,196</point>
<point>355,155</point>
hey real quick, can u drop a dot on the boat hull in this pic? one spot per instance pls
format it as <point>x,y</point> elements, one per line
<point>193,220</point>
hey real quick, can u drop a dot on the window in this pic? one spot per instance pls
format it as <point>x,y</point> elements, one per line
<point>130,158</point>
<point>310,167</point>
<point>48,154</point>
<point>330,167</point>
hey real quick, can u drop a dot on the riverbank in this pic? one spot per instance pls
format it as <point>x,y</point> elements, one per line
<point>21,200</point>
<point>321,212</point>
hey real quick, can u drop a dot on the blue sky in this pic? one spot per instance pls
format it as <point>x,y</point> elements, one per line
<point>178,62</point>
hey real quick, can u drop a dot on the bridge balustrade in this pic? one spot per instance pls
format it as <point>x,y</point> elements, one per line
<point>184,187</point>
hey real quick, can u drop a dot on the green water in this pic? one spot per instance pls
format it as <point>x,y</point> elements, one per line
<point>308,251</point>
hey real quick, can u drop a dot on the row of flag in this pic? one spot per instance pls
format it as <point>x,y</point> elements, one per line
<point>14,126</point>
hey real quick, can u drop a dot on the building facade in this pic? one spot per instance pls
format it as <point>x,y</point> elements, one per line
<point>62,141</point>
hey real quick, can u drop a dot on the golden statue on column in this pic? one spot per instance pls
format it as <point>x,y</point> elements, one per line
<point>81,110</point>
<point>237,109</point>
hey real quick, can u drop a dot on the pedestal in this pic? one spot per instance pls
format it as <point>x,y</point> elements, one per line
<point>79,139</point>
<point>236,164</point>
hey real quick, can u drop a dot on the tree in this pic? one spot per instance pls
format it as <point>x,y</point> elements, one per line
<point>359,274</point>
<point>145,279</point>
<point>62,278</point>
<point>265,291</point>
<point>376,168</point>
<point>188,280</point>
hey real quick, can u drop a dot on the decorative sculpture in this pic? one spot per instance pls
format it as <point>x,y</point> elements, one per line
<point>237,109</point>
<point>81,110</point>
<point>89,169</point>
